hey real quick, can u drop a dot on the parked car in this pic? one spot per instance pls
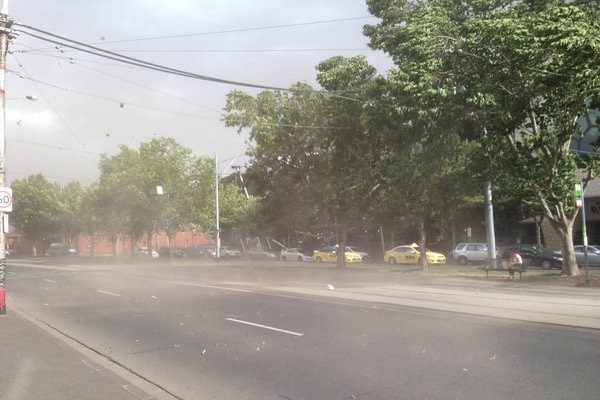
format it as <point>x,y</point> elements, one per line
<point>224,251</point>
<point>195,251</point>
<point>329,254</point>
<point>534,255</point>
<point>60,250</point>
<point>465,253</point>
<point>365,256</point>
<point>295,253</point>
<point>143,251</point>
<point>230,251</point>
<point>411,254</point>
<point>593,255</point>
<point>259,253</point>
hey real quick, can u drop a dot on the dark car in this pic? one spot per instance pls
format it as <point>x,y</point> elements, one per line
<point>60,250</point>
<point>534,255</point>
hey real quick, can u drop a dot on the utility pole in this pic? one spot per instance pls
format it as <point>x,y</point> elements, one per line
<point>218,229</point>
<point>489,224</point>
<point>5,25</point>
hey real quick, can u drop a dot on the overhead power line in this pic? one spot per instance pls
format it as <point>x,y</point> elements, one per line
<point>311,50</point>
<point>86,48</point>
<point>133,61</point>
<point>238,50</point>
<point>236,30</point>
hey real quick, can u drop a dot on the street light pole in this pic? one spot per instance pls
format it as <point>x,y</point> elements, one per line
<point>489,224</point>
<point>4,37</point>
<point>489,220</point>
<point>218,234</point>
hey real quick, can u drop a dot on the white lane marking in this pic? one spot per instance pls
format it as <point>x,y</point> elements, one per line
<point>201,285</point>
<point>49,280</point>
<point>210,286</point>
<point>109,293</point>
<point>264,327</point>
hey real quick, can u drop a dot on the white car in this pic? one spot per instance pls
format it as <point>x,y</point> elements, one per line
<point>295,254</point>
<point>143,251</point>
<point>225,251</point>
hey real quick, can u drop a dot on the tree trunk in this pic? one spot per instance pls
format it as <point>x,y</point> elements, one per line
<point>422,244</point>
<point>563,226</point>
<point>538,229</point>
<point>341,253</point>
<point>569,267</point>
<point>115,239</point>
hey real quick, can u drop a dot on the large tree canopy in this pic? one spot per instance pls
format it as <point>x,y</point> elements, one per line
<point>423,162</point>
<point>309,149</point>
<point>38,209</point>
<point>521,70</point>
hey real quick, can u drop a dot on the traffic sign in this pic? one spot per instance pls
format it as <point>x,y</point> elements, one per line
<point>6,199</point>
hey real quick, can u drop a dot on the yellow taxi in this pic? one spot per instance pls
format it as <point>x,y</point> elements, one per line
<point>411,254</point>
<point>328,254</point>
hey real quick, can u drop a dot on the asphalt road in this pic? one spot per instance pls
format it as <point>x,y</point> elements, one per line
<point>217,332</point>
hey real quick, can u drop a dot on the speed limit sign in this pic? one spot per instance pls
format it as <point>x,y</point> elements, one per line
<point>6,199</point>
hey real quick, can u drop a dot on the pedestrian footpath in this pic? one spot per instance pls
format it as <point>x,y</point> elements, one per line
<point>560,306</point>
<point>36,364</point>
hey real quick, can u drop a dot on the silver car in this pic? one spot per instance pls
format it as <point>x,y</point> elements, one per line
<point>258,253</point>
<point>296,254</point>
<point>593,255</point>
<point>465,253</point>
<point>225,251</point>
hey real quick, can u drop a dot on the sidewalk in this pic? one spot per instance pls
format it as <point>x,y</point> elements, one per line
<point>490,298</point>
<point>36,364</point>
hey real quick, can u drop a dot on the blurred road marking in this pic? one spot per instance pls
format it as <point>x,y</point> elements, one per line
<point>265,327</point>
<point>109,293</point>
<point>50,280</point>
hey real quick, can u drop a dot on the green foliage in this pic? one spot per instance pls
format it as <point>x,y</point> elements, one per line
<point>424,165</point>
<point>311,156</point>
<point>373,148</point>
<point>38,209</point>
<point>522,70</point>
<point>130,201</point>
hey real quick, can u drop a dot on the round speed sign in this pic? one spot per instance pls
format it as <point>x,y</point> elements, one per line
<point>6,199</point>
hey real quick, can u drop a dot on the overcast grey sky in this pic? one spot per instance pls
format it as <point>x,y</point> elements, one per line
<point>88,105</point>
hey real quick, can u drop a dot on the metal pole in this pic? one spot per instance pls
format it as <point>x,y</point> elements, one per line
<point>4,33</point>
<point>585,238</point>
<point>382,238</point>
<point>489,217</point>
<point>489,224</point>
<point>218,241</point>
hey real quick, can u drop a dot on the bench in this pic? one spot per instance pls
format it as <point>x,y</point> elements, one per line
<point>499,268</point>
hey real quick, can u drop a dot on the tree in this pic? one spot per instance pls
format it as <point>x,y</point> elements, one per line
<point>285,137</point>
<point>201,189</point>
<point>37,209</point>
<point>123,201</point>
<point>168,165</point>
<point>309,150</point>
<point>528,69</point>
<point>351,151</point>
<point>128,201</point>
<point>89,216</point>
<point>522,70</point>
<point>71,197</point>
<point>423,163</point>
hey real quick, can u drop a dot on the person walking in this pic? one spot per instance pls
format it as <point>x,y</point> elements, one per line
<point>515,261</point>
